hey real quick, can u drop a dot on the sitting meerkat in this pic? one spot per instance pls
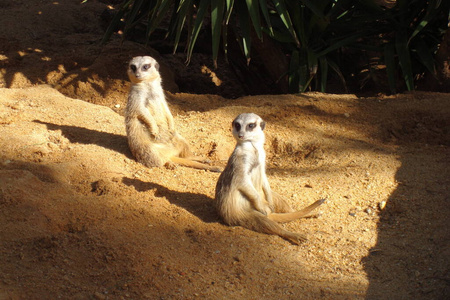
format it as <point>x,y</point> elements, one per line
<point>150,127</point>
<point>243,194</point>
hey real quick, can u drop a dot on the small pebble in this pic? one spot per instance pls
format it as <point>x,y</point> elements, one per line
<point>99,296</point>
<point>238,257</point>
<point>382,205</point>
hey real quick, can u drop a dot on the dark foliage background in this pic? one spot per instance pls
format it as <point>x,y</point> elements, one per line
<point>303,45</point>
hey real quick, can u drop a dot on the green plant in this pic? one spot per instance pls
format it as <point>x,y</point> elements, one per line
<point>300,26</point>
<point>314,34</point>
<point>412,31</point>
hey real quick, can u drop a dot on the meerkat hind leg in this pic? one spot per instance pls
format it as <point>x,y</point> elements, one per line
<point>291,216</point>
<point>148,157</point>
<point>280,205</point>
<point>263,224</point>
<point>200,159</point>
<point>194,164</point>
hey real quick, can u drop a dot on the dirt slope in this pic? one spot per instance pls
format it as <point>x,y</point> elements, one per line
<point>80,218</point>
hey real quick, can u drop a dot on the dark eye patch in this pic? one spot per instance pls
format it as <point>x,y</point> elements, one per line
<point>251,126</point>
<point>237,126</point>
<point>133,68</point>
<point>145,67</point>
<point>263,125</point>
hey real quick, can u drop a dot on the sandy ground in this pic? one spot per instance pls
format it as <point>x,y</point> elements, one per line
<point>81,219</point>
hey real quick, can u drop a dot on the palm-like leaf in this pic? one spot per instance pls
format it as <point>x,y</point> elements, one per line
<point>311,33</point>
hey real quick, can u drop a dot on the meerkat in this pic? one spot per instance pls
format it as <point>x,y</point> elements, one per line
<point>150,127</point>
<point>243,195</point>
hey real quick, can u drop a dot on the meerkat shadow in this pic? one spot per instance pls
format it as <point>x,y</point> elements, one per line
<point>75,134</point>
<point>197,204</point>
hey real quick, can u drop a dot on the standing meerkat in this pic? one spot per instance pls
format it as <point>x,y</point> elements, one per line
<point>151,132</point>
<point>243,194</point>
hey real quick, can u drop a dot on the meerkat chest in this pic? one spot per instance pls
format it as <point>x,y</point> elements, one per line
<point>258,167</point>
<point>154,99</point>
<point>150,96</point>
<point>155,106</point>
<point>151,99</point>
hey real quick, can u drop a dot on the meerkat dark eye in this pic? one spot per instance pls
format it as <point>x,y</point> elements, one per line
<point>237,126</point>
<point>133,68</point>
<point>145,67</point>
<point>251,126</point>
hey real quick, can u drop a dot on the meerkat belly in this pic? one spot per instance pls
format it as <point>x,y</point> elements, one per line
<point>165,133</point>
<point>157,111</point>
<point>257,180</point>
<point>240,200</point>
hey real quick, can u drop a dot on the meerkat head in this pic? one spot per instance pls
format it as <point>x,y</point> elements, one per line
<point>143,68</point>
<point>248,127</point>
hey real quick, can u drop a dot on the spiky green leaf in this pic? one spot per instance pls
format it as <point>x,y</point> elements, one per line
<point>217,14</point>
<point>280,6</point>
<point>425,55</point>
<point>202,9</point>
<point>253,10</point>
<point>401,45</point>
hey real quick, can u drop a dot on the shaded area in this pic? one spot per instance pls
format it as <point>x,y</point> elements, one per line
<point>113,246</point>
<point>411,257</point>
<point>197,204</point>
<point>58,43</point>
<point>75,134</point>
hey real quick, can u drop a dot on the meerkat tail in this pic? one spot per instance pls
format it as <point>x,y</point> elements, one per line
<point>194,164</point>
<point>260,223</point>
<point>287,217</point>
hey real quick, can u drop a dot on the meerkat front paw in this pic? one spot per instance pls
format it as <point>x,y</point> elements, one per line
<point>155,136</point>
<point>262,210</point>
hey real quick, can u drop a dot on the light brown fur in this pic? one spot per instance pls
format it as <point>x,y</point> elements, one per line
<point>150,127</point>
<point>243,194</point>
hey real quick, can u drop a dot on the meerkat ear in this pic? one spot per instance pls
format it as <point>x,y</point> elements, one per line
<point>157,66</point>
<point>263,125</point>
